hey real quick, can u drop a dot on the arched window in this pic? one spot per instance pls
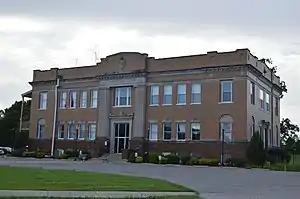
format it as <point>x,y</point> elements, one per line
<point>253,125</point>
<point>41,124</point>
<point>226,128</point>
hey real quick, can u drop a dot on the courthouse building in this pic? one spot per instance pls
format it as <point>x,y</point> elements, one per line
<point>177,104</point>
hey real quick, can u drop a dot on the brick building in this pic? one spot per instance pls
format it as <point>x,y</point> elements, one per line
<point>176,104</point>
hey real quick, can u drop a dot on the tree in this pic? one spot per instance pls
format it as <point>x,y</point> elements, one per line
<point>255,153</point>
<point>10,121</point>
<point>288,134</point>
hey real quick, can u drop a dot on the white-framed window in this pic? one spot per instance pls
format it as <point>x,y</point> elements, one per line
<point>168,94</point>
<point>226,128</point>
<point>71,130</point>
<point>94,98</point>
<point>154,97</point>
<point>181,94</point>
<point>63,100</point>
<point>267,102</point>
<point>181,129</point>
<point>43,100</point>
<point>196,93</point>
<point>92,128</point>
<point>123,96</point>
<point>83,99</point>
<point>261,99</point>
<point>195,130</point>
<point>252,93</point>
<point>153,131</point>
<point>61,131</point>
<point>226,91</point>
<point>167,130</point>
<point>41,126</point>
<point>81,130</point>
<point>73,99</point>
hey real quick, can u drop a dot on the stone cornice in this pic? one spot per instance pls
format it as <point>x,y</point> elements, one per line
<point>116,76</point>
<point>47,82</point>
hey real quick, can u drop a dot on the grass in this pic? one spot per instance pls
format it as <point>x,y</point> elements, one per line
<point>17,178</point>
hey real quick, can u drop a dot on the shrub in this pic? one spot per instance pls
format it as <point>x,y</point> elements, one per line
<point>278,155</point>
<point>236,162</point>
<point>17,153</point>
<point>139,159</point>
<point>164,160</point>
<point>63,156</point>
<point>185,159</point>
<point>71,153</point>
<point>31,154</point>
<point>255,152</point>
<point>208,162</point>
<point>153,158</point>
<point>40,154</point>
<point>87,154</point>
<point>172,159</point>
<point>131,158</point>
<point>194,161</point>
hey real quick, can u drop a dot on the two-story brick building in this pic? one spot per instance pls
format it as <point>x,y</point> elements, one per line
<point>176,104</point>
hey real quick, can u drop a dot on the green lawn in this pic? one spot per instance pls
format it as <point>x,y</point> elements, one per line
<point>16,178</point>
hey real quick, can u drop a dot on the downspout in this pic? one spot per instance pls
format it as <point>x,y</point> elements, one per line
<point>272,98</point>
<point>21,116</point>
<point>54,116</point>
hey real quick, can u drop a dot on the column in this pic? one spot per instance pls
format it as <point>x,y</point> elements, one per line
<point>104,104</point>
<point>140,103</point>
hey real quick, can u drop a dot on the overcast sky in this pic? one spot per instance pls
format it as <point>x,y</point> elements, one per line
<point>37,34</point>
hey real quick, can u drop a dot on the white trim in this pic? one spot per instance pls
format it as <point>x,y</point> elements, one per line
<point>118,97</point>
<point>222,90</point>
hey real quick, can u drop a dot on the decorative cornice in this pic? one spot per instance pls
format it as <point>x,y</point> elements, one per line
<point>116,76</point>
<point>47,82</point>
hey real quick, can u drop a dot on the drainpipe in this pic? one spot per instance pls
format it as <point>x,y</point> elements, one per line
<point>21,116</point>
<point>54,116</point>
<point>272,96</point>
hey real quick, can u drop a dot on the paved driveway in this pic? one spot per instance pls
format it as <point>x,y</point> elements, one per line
<point>212,183</point>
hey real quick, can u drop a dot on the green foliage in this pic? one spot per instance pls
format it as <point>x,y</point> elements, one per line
<point>277,155</point>
<point>29,154</point>
<point>208,162</point>
<point>172,159</point>
<point>255,152</point>
<point>194,161</point>
<point>139,159</point>
<point>288,133</point>
<point>71,153</point>
<point>236,162</point>
<point>40,154</point>
<point>185,159</point>
<point>164,160</point>
<point>63,156</point>
<point>17,153</point>
<point>131,157</point>
<point>153,158</point>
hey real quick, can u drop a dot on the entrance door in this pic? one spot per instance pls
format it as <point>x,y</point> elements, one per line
<point>121,137</point>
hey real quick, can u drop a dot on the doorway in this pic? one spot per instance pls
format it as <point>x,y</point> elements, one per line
<point>121,137</point>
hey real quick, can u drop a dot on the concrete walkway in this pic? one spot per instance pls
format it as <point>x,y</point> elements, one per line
<point>90,194</point>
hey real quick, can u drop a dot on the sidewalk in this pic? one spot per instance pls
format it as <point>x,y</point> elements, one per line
<point>90,194</point>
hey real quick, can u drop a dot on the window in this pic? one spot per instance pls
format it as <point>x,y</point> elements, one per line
<point>180,131</point>
<point>71,130</point>
<point>92,131</point>
<point>153,131</point>
<point>83,99</point>
<point>63,100</point>
<point>181,94</point>
<point>261,99</point>
<point>41,126</point>
<point>94,99</point>
<point>195,130</point>
<point>167,130</point>
<point>123,96</point>
<point>196,94</point>
<point>154,100</point>
<point>253,126</point>
<point>226,91</point>
<point>43,100</point>
<point>168,95</point>
<point>73,99</point>
<point>267,102</point>
<point>61,131</point>
<point>81,131</point>
<point>226,128</point>
<point>252,93</point>
<point>276,106</point>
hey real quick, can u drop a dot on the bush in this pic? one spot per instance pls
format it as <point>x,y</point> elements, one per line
<point>17,153</point>
<point>172,159</point>
<point>194,161</point>
<point>153,158</point>
<point>131,158</point>
<point>87,154</point>
<point>208,162</point>
<point>40,154</point>
<point>31,154</point>
<point>139,159</point>
<point>164,160</point>
<point>277,155</point>
<point>63,156</point>
<point>255,152</point>
<point>236,162</point>
<point>185,159</point>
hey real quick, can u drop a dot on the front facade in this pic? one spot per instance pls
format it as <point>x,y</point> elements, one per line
<point>180,104</point>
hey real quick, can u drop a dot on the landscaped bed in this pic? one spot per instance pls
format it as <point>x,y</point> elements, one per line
<point>15,178</point>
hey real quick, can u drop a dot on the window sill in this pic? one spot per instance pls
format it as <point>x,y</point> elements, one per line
<point>225,102</point>
<point>154,105</point>
<point>167,105</point>
<point>167,140</point>
<point>181,104</point>
<point>181,140</point>
<point>93,107</point>
<point>42,109</point>
<point>80,139</point>
<point>196,103</point>
<point>60,138</point>
<point>125,106</point>
<point>153,140</point>
<point>82,107</point>
<point>72,107</point>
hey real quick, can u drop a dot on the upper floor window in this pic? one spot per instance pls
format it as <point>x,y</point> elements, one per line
<point>43,100</point>
<point>276,106</point>
<point>196,94</point>
<point>261,99</point>
<point>153,131</point>
<point>154,98</point>
<point>123,96</point>
<point>63,100</point>
<point>195,131</point>
<point>181,94</point>
<point>73,99</point>
<point>252,93</point>
<point>81,130</point>
<point>92,131</point>
<point>41,126</point>
<point>268,102</point>
<point>167,130</point>
<point>94,99</point>
<point>71,130</point>
<point>226,91</point>
<point>61,131</point>
<point>168,95</point>
<point>180,131</point>
<point>83,99</point>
